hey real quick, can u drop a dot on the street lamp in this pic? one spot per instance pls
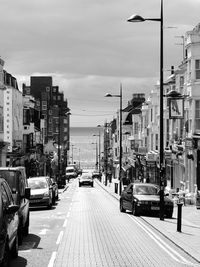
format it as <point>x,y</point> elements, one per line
<point>137,18</point>
<point>99,135</point>
<point>96,149</point>
<point>120,135</point>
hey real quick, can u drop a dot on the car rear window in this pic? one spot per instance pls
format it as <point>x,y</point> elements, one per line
<point>145,190</point>
<point>37,184</point>
<point>11,178</point>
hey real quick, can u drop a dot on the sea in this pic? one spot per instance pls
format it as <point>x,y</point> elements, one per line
<point>83,145</point>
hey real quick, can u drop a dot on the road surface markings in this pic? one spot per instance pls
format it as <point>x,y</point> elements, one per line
<point>65,223</point>
<point>53,257</point>
<point>59,238</point>
<point>170,251</point>
<point>68,214</point>
<point>43,231</point>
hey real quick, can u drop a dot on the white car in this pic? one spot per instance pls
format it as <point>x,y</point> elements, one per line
<point>41,191</point>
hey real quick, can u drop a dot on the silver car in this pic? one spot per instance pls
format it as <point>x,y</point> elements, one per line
<point>41,191</point>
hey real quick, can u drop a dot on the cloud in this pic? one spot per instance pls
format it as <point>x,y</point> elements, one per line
<point>88,46</point>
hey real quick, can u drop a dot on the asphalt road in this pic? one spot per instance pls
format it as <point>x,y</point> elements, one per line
<point>85,228</point>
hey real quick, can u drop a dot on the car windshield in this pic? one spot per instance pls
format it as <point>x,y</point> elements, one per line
<point>86,177</point>
<point>146,190</point>
<point>70,170</point>
<point>37,184</point>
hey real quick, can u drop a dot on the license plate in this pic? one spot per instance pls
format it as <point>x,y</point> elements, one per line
<point>155,208</point>
<point>35,200</point>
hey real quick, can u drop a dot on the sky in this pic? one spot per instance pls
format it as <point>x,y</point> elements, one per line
<point>89,48</point>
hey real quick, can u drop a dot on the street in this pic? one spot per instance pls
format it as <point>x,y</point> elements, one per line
<point>86,228</point>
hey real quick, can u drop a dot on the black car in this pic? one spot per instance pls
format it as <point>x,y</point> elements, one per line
<point>86,179</point>
<point>144,198</point>
<point>17,181</point>
<point>9,223</point>
<point>97,175</point>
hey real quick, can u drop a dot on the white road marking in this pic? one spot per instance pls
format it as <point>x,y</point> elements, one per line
<point>43,231</point>
<point>68,214</point>
<point>59,238</point>
<point>65,223</point>
<point>170,251</point>
<point>53,257</point>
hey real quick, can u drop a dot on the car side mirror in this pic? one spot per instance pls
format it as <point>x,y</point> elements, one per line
<point>27,192</point>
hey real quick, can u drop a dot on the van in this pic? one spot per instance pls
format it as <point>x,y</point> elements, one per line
<point>16,179</point>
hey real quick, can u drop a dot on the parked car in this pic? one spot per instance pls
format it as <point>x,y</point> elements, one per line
<point>70,172</point>
<point>55,189</point>
<point>41,191</point>
<point>86,179</point>
<point>16,179</point>
<point>9,223</point>
<point>144,198</point>
<point>96,174</point>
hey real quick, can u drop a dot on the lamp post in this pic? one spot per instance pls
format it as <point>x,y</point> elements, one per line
<point>137,18</point>
<point>96,150</point>
<point>72,153</point>
<point>99,156</point>
<point>120,135</point>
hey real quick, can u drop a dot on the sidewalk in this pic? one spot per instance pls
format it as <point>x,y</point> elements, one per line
<point>188,240</point>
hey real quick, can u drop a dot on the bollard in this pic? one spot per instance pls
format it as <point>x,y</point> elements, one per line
<point>179,216</point>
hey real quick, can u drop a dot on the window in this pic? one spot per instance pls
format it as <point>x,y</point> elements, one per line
<point>44,105</point>
<point>197,68</point>
<point>1,119</point>
<point>136,128</point>
<point>197,114</point>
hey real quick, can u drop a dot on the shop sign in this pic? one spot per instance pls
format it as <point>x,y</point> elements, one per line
<point>176,108</point>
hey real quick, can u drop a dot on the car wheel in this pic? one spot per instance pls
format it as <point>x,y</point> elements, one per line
<point>134,209</point>
<point>54,200</point>
<point>6,256</point>
<point>92,184</point>
<point>20,232</point>
<point>26,227</point>
<point>49,206</point>
<point>121,206</point>
<point>79,184</point>
<point>14,250</point>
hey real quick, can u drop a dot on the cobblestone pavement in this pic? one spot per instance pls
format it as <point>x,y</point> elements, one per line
<point>95,233</point>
